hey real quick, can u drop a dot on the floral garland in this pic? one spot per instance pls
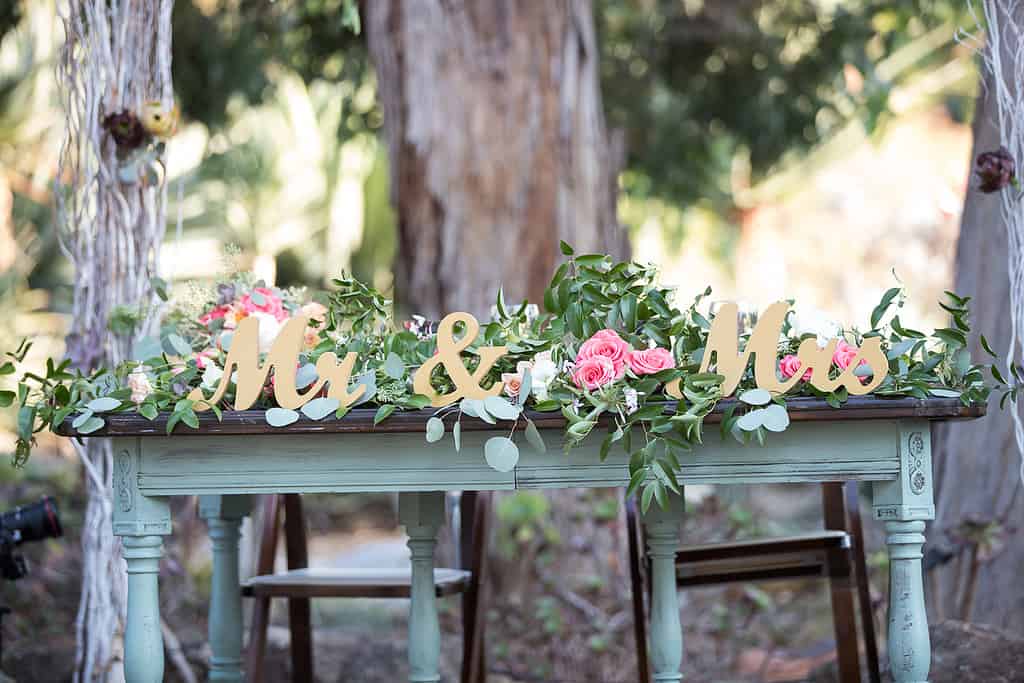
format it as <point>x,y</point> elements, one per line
<point>609,341</point>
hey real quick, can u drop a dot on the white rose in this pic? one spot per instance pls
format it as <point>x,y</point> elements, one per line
<point>813,321</point>
<point>138,382</point>
<point>211,375</point>
<point>542,374</point>
<point>269,328</point>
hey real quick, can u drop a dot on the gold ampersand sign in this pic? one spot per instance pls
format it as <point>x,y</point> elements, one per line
<point>449,350</point>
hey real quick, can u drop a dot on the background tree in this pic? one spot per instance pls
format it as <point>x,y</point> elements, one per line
<point>977,467</point>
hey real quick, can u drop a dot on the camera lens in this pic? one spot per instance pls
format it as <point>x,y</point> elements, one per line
<point>33,522</point>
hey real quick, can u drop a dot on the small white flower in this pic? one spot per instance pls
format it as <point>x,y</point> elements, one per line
<point>813,321</point>
<point>211,375</point>
<point>632,400</point>
<point>269,329</point>
<point>542,374</point>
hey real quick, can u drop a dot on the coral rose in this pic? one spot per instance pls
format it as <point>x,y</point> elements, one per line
<point>513,383</point>
<point>790,365</point>
<point>594,372</point>
<point>650,361</point>
<point>272,304</point>
<point>606,344</point>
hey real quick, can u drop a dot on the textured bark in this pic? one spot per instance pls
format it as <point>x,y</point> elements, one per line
<point>977,462</point>
<point>498,147</point>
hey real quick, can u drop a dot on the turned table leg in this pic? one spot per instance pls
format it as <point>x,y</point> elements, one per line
<point>223,515</point>
<point>423,514</point>
<point>140,521</point>
<point>904,505</point>
<point>662,526</point>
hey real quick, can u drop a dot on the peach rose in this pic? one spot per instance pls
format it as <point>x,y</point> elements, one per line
<point>314,312</point>
<point>512,382</point>
<point>595,372</point>
<point>790,365</point>
<point>606,344</point>
<point>650,361</point>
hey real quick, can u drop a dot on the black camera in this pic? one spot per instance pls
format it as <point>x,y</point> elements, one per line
<point>25,524</point>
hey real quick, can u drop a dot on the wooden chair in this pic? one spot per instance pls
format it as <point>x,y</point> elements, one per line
<point>835,554</point>
<point>300,583</point>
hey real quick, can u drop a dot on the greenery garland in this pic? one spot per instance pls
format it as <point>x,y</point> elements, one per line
<point>590,299</point>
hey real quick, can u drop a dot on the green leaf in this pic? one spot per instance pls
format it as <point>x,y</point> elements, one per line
<point>190,418</point>
<point>534,438</point>
<point>159,286</point>
<point>951,337</point>
<point>148,411</point>
<point>383,413</point>
<point>566,249</point>
<point>646,496</point>
<point>394,366</point>
<point>6,398</point>
<point>435,429</point>
<point>417,401</point>
<point>988,349</point>
<point>883,306</point>
<point>501,453</point>
<point>91,425</point>
<point>7,368</point>
<point>580,429</point>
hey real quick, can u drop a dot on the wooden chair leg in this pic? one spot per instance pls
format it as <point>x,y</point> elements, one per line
<point>844,620</point>
<point>476,533</point>
<point>636,581</point>
<point>299,617</point>
<point>257,648</point>
<point>860,568</point>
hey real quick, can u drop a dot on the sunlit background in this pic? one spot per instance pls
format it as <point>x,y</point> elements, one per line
<point>826,183</point>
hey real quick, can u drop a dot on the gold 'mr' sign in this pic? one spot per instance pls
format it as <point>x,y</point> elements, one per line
<point>721,355</point>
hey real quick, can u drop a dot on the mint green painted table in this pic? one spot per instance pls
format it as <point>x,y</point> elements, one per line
<point>886,442</point>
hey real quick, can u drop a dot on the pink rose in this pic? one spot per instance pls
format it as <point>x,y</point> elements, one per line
<point>650,361</point>
<point>844,355</point>
<point>202,356</point>
<point>271,304</point>
<point>594,372</point>
<point>606,344</point>
<point>315,312</point>
<point>790,365</point>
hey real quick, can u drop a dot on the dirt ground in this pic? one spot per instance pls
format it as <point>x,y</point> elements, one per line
<point>559,606</point>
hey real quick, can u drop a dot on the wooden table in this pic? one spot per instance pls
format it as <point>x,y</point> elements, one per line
<point>887,442</point>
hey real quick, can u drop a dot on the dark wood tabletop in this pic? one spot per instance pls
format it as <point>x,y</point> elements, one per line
<point>360,420</point>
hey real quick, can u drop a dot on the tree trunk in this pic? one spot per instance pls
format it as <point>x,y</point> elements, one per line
<point>977,462</point>
<point>498,150</point>
<point>498,145</point>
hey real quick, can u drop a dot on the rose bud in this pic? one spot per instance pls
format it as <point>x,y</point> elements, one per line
<point>995,169</point>
<point>126,129</point>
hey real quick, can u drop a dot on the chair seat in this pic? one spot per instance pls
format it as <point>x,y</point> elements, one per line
<point>758,560</point>
<point>351,583</point>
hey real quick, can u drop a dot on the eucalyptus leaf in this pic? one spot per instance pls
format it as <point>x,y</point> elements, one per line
<point>469,406</point>
<point>501,453</point>
<point>103,404</point>
<point>179,345</point>
<point>146,348</point>
<point>752,420</point>
<point>756,397</point>
<point>91,425</point>
<point>775,418</point>
<point>394,366</point>
<point>501,408</point>
<point>305,376</point>
<point>81,418</point>
<point>457,436</point>
<point>534,438</point>
<point>435,429</point>
<point>280,417</point>
<point>319,408</point>
<point>368,380</point>
<point>525,387</point>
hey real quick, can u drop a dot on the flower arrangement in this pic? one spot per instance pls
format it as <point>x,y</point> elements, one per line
<point>609,343</point>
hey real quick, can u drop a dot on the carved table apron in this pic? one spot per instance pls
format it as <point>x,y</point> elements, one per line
<point>885,442</point>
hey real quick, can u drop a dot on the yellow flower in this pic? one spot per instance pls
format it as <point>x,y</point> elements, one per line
<point>158,121</point>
